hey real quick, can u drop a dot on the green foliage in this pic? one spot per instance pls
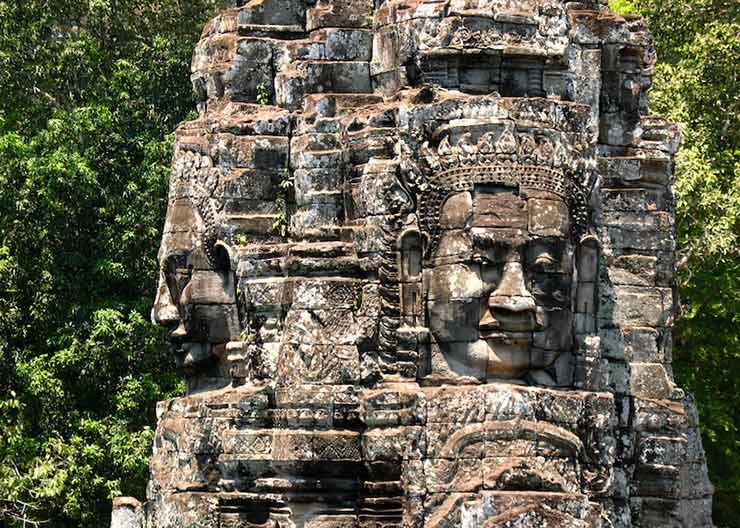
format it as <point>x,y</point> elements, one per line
<point>91,93</point>
<point>623,7</point>
<point>283,202</point>
<point>370,17</point>
<point>263,94</point>
<point>698,85</point>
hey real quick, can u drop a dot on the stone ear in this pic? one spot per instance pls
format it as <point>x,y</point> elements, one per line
<point>411,251</point>
<point>222,257</point>
<point>586,301</point>
<point>587,258</point>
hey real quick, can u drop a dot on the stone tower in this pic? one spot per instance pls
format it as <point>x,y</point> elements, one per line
<point>419,271</point>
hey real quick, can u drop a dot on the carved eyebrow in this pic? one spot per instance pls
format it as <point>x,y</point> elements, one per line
<point>554,246</point>
<point>547,256</point>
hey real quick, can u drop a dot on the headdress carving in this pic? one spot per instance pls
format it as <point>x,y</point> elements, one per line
<point>525,161</point>
<point>195,179</point>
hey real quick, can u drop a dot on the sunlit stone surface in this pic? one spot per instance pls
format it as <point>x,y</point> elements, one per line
<point>418,269</point>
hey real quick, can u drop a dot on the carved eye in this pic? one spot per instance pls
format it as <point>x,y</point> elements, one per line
<point>490,272</point>
<point>549,292</point>
<point>545,260</point>
<point>558,295</point>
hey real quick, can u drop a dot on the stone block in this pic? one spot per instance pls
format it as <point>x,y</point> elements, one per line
<point>254,152</point>
<point>454,321</point>
<point>454,281</point>
<point>375,187</point>
<point>502,210</point>
<point>640,220</point>
<point>394,444</point>
<point>255,183</point>
<point>290,88</point>
<point>548,217</point>
<point>316,141</point>
<point>316,446</point>
<point>222,322</point>
<point>619,377</point>
<point>317,294</point>
<point>313,216</point>
<point>255,445</point>
<point>695,481</point>
<point>642,344</point>
<point>631,306</point>
<point>565,409</point>
<point>458,212</point>
<point>273,13</point>
<point>186,510</point>
<point>560,475</point>
<point>694,448</point>
<point>617,240</point>
<point>661,450</point>
<point>318,159</point>
<point>660,416</point>
<point>452,476</point>
<point>340,14</point>
<point>650,380</point>
<point>632,270</point>
<point>316,180</point>
<point>338,77</point>
<point>347,44</point>
<point>249,72</point>
<point>656,481</point>
<point>388,407</point>
<point>454,246</point>
<point>634,200</point>
<point>211,287</point>
<point>697,512</point>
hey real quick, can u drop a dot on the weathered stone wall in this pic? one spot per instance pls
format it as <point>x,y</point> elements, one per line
<point>419,270</point>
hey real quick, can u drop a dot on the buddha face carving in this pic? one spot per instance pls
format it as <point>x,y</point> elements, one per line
<point>499,287</point>
<point>196,298</point>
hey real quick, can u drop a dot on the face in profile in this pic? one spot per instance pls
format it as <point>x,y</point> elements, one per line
<point>196,299</point>
<point>500,284</point>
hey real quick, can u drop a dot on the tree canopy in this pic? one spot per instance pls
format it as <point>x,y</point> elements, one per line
<point>92,91</point>
<point>91,94</point>
<point>698,85</point>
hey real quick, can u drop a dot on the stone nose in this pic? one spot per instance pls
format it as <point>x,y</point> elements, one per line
<point>511,293</point>
<point>165,311</point>
<point>510,306</point>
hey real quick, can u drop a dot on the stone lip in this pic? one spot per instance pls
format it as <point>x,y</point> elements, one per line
<point>126,502</point>
<point>127,512</point>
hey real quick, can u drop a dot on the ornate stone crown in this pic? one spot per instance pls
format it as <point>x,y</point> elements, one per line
<point>525,161</point>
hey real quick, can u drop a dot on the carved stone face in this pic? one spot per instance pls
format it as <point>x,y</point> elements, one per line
<point>500,284</point>
<point>195,298</point>
<point>401,196</point>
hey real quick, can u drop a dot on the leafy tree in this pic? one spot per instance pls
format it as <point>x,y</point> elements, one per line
<point>91,90</point>
<point>698,84</point>
<point>91,93</point>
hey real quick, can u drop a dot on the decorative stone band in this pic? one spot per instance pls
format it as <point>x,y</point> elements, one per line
<point>441,186</point>
<point>508,146</point>
<point>506,174</point>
